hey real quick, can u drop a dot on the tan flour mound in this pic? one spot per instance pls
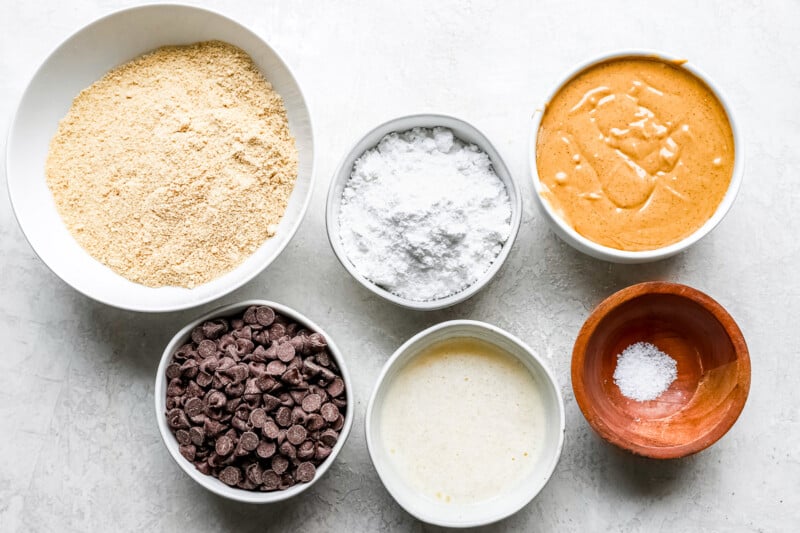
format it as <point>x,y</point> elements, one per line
<point>175,167</point>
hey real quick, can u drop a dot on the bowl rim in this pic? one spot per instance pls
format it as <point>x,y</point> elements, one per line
<point>607,253</point>
<point>381,383</point>
<point>342,175</point>
<point>189,302</point>
<point>731,328</point>
<point>213,484</point>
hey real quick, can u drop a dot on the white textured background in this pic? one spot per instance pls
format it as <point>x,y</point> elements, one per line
<point>79,448</point>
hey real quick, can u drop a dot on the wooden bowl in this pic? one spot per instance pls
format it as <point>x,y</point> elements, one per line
<point>713,369</point>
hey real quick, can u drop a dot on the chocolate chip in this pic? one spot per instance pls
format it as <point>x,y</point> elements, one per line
<point>265,315</point>
<point>173,371</point>
<point>188,451</point>
<point>212,427</point>
<point>288,450</point>
<point>258,417</point>
<point>197,435</point>
<point>230,475</point>
<point>296,434</point>
<point>329,437</point>
<point>240,424</point>
<point>338,424</point>
<point>203,467</point>
<point>341,403</point>
<point>265,450</point>
<point>299,416</point>
<point>270,480</point>
<point>224,446</point>
<point>249,316</point>
<point>329,412</point>
<point>213,329</point>
<point>291,377</point>
<point>248,441</point>
<point>175,387</point>
<point>177,419</point>
<point>203,379</point>
<point>270,402</point>
<point>305,472</point>
<point>315,422</point>
<point>283,416</point>
<point>285,352</point>
<point>276,331</point>
<point>193,390</point>
<point>336,387</point>
<point>312,403</point>
<point>270,430</point>
<point>276,368</point>
<point>279,464</point>
<point>287,481</point>
<point>322,452</point>
<point>323,358</point>
<point>305,450</point>
<point>216,399</point>
<point>254,473</point>
<point>317,341</point>
<point>182,437</point>
<point>193,406</point>
<point>245,332</point>
<point>207,348</point>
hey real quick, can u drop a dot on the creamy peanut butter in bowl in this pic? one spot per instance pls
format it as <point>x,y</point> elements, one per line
<point>635,157</point>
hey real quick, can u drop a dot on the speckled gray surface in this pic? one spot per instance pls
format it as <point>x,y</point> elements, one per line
<point>79,447</point>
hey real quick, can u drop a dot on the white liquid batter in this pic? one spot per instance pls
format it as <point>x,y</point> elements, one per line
<point>463,421</point>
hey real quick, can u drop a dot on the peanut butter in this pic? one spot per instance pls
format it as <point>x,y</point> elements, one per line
<point>635,153</point>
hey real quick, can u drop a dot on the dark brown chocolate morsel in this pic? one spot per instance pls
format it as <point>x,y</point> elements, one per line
<point>173,371</point>
<point>305,472</point>
<point>270,480</point>
<point>315,422</point>
<point>336,387</point>
<point>188,451</point>
<point>287,481</point>
<point>265,315</point>
<point>283,416</point>
<point>312,403</point>
<point>279,464</point>
<point>288,450</point>
<point>193,406</point>
<point>254,473</point>
<point>197,435</point>
<point>207,348</point>
<point>270,429</point>
<point>248,441</point>
<point>285,352</point>
<point>258,417</point>
<point>265,449</point>
<point>177,419</point>
<point>329,437</point>
<point>305,450</point>
<point>270,402</point>
<point>182,437</point>
<point>329,412</point>
<point>230,475</point>
<point>276,368</point>
<point>296,434</point>
<point>224,446</point>
<point>338,424</point>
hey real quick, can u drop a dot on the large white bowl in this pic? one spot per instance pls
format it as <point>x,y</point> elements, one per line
<point>78,62</point>
<point>464,131</point>
<point>587,246</point>
<point>209,482</point>
<point>446,514</point>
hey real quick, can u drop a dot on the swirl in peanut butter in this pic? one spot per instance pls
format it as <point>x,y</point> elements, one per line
<point>635,153</point>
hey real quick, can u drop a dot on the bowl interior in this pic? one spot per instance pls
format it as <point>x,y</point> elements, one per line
<point>700,405</point>
<point>209,482</point>
<point>446,514</point>
<point>465,132</point>
<point>77,63</point>
<point>568,234</point>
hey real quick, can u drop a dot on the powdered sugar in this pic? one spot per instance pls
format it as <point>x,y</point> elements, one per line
<point>423,214</point>
<point>644,372</point>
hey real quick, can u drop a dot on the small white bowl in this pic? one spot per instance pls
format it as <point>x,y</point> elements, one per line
<point>449,515</point>
<point>78,62</point>
<point>464,131</point>
<point>209,482</point>
<point>589,247</point>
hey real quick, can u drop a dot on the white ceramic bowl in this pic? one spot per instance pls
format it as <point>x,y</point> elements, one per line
<point>464,131</point>
<point>445,514</point>
<point>209,482</point>
<point>78,62</point>
<point>587,246</point>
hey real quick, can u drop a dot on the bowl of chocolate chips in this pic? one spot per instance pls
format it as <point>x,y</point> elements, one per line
<point>253,401</point>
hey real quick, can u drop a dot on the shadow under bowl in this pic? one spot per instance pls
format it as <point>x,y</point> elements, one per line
<point>713,370</point>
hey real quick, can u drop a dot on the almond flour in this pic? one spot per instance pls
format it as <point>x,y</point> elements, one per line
<point>175,167</point>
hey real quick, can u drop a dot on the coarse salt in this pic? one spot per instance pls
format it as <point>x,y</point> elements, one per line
<point>644,372</point>
<point>423,214</point>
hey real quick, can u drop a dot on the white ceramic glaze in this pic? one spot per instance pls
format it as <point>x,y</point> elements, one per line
<point>78,62</point>
<point>211,483</point>
<point>486,512</point>
<point>587,246</point>
<point>465,132</point>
